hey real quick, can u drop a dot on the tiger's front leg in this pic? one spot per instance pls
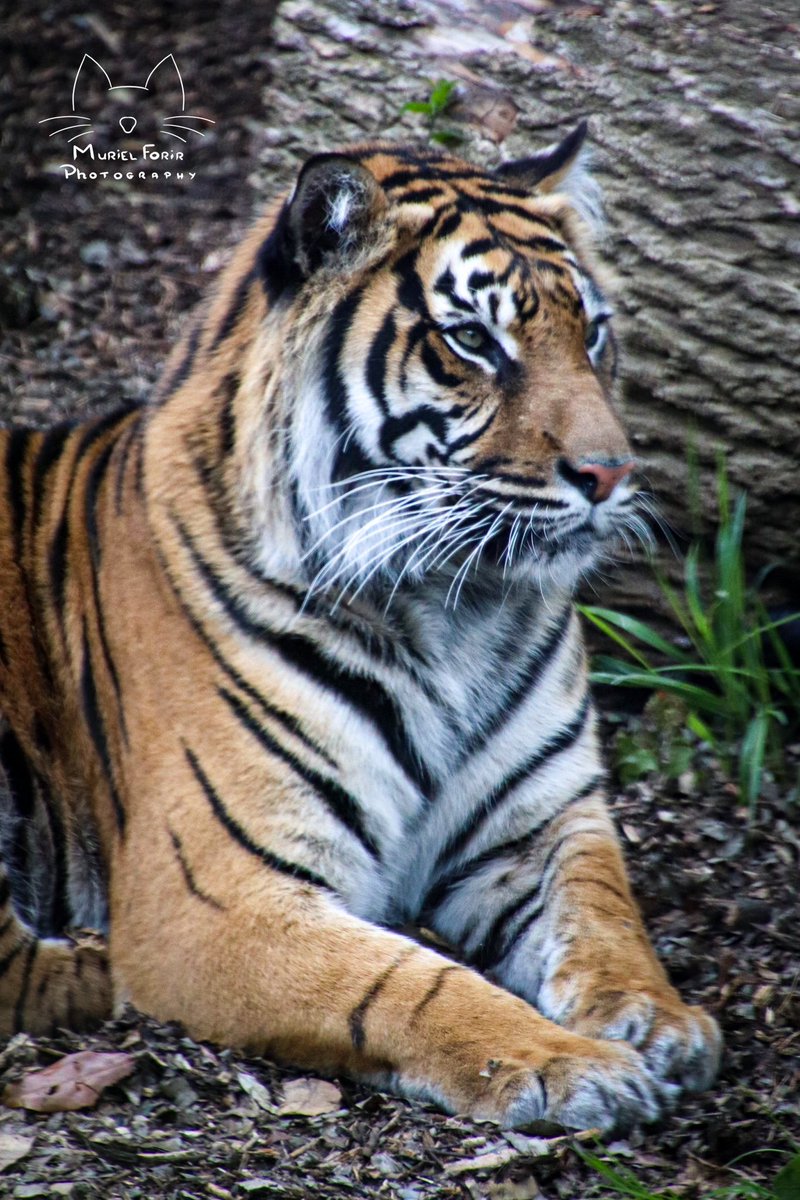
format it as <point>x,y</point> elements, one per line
<point>277,965</point>
<point>567,935</point>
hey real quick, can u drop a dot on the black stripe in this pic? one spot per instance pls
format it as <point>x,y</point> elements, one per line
<point>49,453</point>
<point>446,286</point>
<point>340,803</point>
<point>339,324</point>
<point>410,292</point>
<point>188,874</point>
<point>94,481</point>
<point>363,693</point>
<point>554,745</point>
<point>96,727</point>
<point>549,267</point>
<point>57,567</point>
<point>181,371</point>
<point>22,995</point>
<point>514,848</point>
<point>124,454</point>
<point>394,428</point>
<point>601,883</point>
<point>498,942</point>
<point>433,364</point>
<point>446,222</point>
<point>375,369</point>
<point>483,279</point>
<point>415,335</point>
<point>370,699</point>
<point>59,547</point>
<point>433,990</point>
<point>423,195</point>
<point>357,1016</point>
<point>494,207</point>
<point>478,246</point>
<point>240,835</point>
<point>540,659</point>
<point>225,394</point>
<point>235,308</point>
<point>401,179</point>
<point>467,439</point>
<point>531,481</point>
<point>5,890</point>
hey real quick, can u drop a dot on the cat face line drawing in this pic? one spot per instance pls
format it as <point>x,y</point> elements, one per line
<point>163,78</point>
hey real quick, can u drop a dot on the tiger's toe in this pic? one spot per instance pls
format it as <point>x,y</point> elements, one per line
<point>680,1043</point>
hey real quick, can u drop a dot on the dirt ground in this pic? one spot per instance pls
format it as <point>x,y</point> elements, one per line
<point>94,280</point>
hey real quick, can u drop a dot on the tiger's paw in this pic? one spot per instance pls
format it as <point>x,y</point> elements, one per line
<point>604,1086</point>
<point>680,1043</point>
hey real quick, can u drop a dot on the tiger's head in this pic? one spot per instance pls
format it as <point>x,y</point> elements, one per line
<point>443,401</point>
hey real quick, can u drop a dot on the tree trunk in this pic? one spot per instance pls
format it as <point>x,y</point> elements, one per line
<point>695,120</point>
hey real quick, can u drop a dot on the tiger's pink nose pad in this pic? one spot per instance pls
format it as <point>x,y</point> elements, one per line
<point>128,124</point>
<point>598,481</point>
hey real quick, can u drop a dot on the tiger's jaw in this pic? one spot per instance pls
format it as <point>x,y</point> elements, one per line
<point>552,553</point>
<point>394,529</point>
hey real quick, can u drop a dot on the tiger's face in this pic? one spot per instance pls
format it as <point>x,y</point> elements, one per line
<point>452,373</point>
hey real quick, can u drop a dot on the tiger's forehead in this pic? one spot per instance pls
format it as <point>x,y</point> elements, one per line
<point>488,248</point>
<point>477,272</point>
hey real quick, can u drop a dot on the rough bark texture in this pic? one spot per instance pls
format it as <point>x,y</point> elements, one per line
<point>695,117</point>
<point>695,122</point>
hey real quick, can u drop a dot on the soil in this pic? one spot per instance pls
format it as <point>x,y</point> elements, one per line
<point>94,282</point>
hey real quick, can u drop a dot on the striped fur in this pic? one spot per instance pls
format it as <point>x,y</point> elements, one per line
<point>288,662</point>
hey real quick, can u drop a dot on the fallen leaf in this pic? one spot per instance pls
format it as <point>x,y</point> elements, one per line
<point>255,1090</point>
<point>309,1098</point>
<point>75,1081</point>
<point>482,1162</point>
<point>13,1147</point>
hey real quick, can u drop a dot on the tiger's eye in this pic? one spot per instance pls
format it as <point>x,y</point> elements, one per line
<point>592,335</point>
<point>471,337</point>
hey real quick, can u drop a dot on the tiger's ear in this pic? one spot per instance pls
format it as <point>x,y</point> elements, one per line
<point>327,221</point>
<point>559,168</point>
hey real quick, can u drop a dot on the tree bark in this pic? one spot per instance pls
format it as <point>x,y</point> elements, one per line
<point>695,123</point>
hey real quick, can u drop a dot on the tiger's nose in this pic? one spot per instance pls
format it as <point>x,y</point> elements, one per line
<point>128,124</point>
<point>596,481</point>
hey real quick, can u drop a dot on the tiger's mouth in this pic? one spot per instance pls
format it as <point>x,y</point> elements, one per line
<point>515,541</point>
<point>393,527</point>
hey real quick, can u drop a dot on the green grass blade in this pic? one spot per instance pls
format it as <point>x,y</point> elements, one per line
<point>787,1182</point>
<point>603,618</point>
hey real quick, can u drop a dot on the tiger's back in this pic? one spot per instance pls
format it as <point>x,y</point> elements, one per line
<point>290,660</point>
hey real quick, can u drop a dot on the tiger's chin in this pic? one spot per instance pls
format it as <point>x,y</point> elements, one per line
<point>551,568</point>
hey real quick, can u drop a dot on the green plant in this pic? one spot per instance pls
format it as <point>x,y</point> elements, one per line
<point>623,1182</point>
<point>734,676</point>
<point>438,102</point>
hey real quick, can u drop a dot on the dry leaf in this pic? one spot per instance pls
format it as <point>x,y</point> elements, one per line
<point>309,1098</point>
<point>255,1090</point>
<point>73,1082</point>
<point>482,1162</point>
<point>13,1147</point>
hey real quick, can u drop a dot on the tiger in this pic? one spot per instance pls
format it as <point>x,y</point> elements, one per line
<point>294,690</point>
